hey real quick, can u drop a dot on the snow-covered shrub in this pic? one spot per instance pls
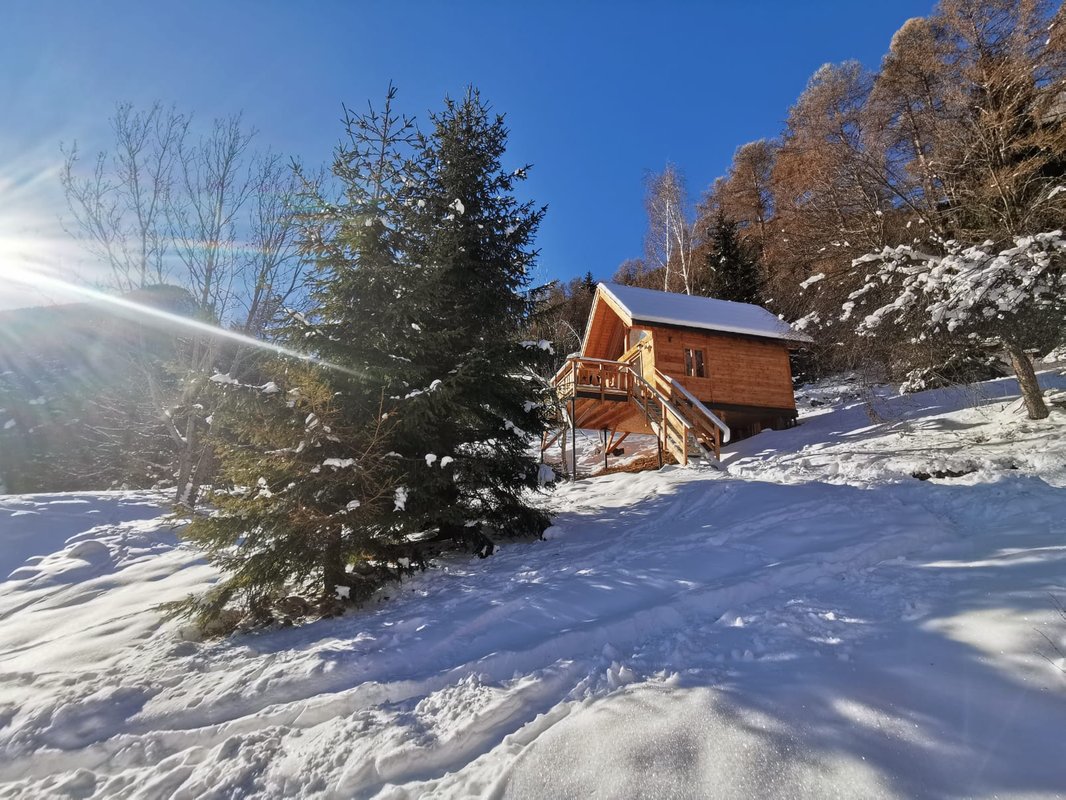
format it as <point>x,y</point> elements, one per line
<point>967,366</point>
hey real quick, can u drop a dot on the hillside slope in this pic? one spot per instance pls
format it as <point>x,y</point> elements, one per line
<point>826,618</point>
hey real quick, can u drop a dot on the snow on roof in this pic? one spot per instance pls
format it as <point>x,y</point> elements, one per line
<point>690,311</point>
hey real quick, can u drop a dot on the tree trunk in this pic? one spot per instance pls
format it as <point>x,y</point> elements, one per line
<point>333,572</point>
<point>186,465</point>
<point>196,464</point>
<point>203,471</point>
<point>1023,368</point>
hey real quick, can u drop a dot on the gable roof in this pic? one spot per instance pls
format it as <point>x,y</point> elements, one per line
<point>691,311</point>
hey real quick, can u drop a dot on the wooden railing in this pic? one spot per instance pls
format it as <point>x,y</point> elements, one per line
<point>592,375</point>
<point>662,417</point>
<point>589,377</point>
<point>709,430</point>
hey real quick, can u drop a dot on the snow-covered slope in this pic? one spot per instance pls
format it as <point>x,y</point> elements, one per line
<point>815,622</point>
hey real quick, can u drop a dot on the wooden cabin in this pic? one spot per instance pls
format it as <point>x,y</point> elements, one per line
<point>694,371</point>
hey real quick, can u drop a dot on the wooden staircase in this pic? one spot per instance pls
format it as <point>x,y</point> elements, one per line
<point>613,395</point>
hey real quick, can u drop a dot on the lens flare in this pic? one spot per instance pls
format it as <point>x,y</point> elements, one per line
<point>33,278</point>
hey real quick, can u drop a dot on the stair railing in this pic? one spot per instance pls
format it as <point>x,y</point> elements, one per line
<point>673,426</point>
<point>705,421</point>
<point>603,376</point>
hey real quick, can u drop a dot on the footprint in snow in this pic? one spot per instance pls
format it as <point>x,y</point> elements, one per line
<point>913,610</point>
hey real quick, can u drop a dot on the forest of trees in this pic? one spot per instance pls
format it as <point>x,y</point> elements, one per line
<point>908,218</point>
<point>949,161</point>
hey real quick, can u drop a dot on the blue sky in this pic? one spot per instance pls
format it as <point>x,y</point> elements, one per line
<point>596,94</point>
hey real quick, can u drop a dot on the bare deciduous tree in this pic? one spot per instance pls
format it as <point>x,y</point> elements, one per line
<point>210,216</point>
<point>119,209</point>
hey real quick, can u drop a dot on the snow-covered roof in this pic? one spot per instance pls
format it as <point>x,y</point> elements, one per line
<point>690,311</point>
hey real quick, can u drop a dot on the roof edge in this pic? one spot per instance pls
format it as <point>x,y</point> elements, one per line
<point>791,335</point>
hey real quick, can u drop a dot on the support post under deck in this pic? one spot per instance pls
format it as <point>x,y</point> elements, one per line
<point>573,437</point>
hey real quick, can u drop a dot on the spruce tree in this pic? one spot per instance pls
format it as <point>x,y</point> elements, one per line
<point>312,490</point>
<point>303,523</point>
<point>410,433</point>
<point>366,316</point>
<point>466,435</point>
<point>734,270</point>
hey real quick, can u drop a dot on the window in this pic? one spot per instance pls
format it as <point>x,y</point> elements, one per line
<point>694,363</point>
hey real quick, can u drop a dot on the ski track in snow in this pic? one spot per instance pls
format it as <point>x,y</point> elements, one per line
<point>814,621</point>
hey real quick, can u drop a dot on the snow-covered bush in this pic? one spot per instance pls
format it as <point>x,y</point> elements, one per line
<point>966,366</point>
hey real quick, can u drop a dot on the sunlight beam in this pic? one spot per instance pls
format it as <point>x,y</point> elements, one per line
<point>35,279</point>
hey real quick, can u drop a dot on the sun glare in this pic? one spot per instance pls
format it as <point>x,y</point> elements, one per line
<point>37,279</point>
<point>32,239</point>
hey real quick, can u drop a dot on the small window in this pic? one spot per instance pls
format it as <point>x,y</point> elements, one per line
<point>694,363</point>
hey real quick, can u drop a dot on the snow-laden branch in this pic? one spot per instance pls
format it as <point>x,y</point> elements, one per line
<point>963,288</point>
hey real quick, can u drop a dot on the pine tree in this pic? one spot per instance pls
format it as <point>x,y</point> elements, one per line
<point>465,436</point>
<point>734,271</point>
<point>314,490</point>
<point>410,433</point>
<point>366,308</point>
<point>305,524</point>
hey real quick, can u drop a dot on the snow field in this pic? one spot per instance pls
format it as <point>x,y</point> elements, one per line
<point>813,622</point>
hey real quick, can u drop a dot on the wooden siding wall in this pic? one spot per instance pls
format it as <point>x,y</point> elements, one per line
<point>739,370</point>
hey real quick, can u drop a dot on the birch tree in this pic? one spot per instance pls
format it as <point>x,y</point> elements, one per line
<point>668,241</point>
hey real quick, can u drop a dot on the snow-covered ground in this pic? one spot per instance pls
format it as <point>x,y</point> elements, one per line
<point>814,622</point>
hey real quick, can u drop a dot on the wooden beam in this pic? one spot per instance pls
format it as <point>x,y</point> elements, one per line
<point>551,441</point>
<point>615,444</point>
<point>606,416</point>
